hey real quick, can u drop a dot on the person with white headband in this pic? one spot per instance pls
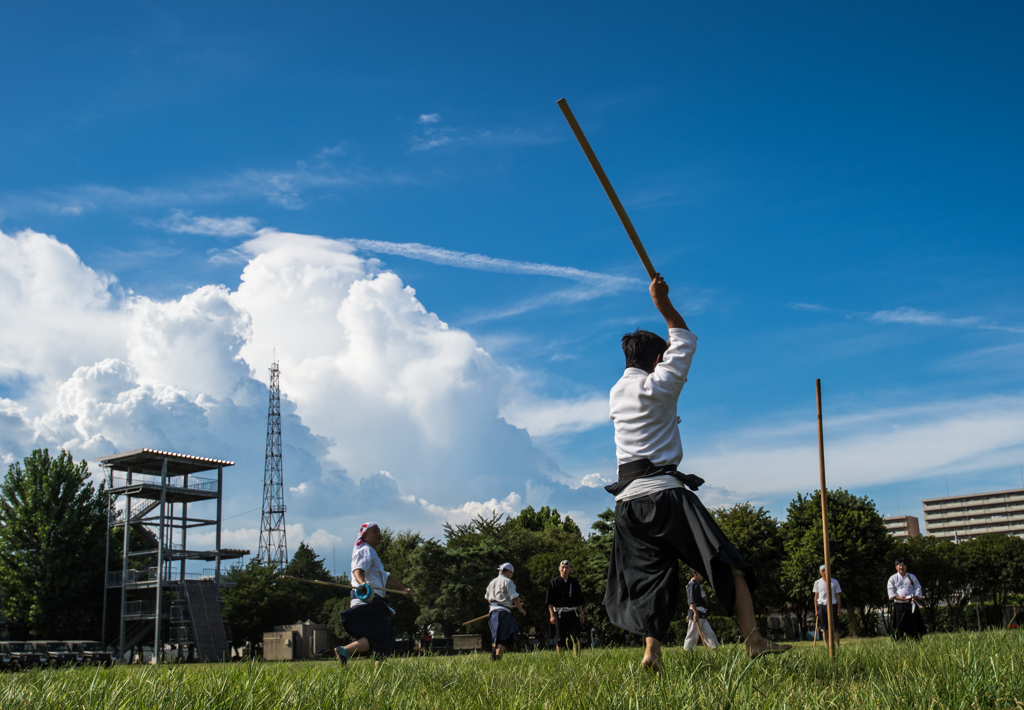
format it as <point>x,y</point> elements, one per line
<point>502,595</point>
<point>368,617</point>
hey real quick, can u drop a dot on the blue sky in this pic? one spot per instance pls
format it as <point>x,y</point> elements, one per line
<point>831,193</point>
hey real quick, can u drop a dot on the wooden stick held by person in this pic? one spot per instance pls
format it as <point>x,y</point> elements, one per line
<point>501,594</point>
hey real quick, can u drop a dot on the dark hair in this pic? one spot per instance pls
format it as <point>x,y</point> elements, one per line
<point>693,572</point>
<point>642,348</point>
<point>900,561</point>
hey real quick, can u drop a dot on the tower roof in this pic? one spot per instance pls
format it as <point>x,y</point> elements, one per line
<point>151,460</point>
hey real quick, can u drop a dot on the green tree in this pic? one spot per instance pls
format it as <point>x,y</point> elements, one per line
<point>397,552</point>
<point>861,552</point>
<point>52,547</point>
<point>992,565</point>
<point>306,601</point>
<point>259,601</point>
<point>758,538</point>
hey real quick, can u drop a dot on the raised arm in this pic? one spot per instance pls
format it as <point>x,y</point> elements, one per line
<point>659,294</point>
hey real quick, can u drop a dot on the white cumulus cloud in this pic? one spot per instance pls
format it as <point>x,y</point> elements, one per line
<point>388,412</point>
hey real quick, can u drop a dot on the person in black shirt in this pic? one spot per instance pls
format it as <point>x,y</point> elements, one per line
<point>565,605</point>
<point>699,628</point>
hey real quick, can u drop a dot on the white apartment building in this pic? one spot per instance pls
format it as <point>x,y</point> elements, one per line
<point>966,516</point>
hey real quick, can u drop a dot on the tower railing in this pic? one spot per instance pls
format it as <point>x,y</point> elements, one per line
<point>192,483</point>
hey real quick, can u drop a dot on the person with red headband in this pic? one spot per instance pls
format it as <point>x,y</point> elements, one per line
<point>368,617</point>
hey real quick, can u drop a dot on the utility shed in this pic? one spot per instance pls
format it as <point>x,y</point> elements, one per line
<point>161,497</point>
<point>297,641</point>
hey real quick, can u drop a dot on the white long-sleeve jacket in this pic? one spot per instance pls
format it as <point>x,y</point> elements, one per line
<point>643,408</point>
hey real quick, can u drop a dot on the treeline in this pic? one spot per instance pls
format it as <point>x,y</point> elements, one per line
<point>450,574</point>
<point>53,531</point>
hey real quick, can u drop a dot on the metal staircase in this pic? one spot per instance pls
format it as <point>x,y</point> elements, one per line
<point>207,623</point>
<point>134,634</point>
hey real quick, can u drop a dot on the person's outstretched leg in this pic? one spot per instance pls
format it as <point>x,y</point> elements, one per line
<point>744,613</point>
<point>343,653</point>
<point>652,654</point>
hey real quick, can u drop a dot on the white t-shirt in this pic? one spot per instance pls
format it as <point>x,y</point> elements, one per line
<point>819,589</point>
<point>365,558</point>
<point>643,408</point>
<point>500,592</point>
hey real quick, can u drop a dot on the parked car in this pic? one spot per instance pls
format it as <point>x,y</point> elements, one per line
<point>58,653</point>
<point>5,660</point>
<point>92,652</point>
<point>22,655</point>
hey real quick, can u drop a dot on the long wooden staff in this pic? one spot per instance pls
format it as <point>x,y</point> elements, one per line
<point>343,586</point>
<point>824,527</point>
<point>816,626</point>
<point>473,621</point>
<point>696,618</point>
<point>606,183</point>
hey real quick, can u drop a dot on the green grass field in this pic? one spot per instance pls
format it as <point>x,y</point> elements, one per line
<point>970,670</point>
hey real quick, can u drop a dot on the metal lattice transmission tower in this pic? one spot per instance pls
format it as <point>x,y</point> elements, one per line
<point>273,544</point>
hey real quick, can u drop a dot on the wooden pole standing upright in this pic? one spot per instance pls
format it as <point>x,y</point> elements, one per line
<point>824,528</point>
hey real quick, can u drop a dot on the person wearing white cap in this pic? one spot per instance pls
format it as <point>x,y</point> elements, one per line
<point>502,595</point>
<point>821,603</point>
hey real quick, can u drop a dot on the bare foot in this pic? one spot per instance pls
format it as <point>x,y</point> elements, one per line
<point>652,663</point>
<point>652,655</point>
<point>760,646</point>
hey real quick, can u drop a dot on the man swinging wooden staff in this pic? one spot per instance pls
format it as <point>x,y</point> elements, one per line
<point>501,594</point>
<point>658,521</point>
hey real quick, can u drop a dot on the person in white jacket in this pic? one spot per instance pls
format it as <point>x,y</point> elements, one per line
<point>502,595</point>
<point>657,520</point>
<point>906,597</point>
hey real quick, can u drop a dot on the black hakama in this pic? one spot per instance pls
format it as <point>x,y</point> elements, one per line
<point>906,622</point>
<point>372,621</point>
<point>503,627</point>
<point>652,533</point>
<point>567,628</point>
